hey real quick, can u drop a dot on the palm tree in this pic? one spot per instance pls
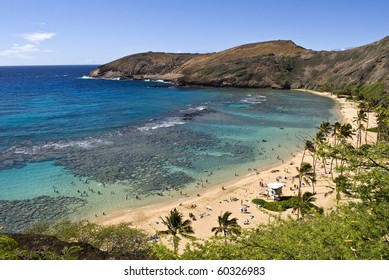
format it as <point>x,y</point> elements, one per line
<point>306,174</point>
<point>382,122</point>
<point>346,131</point>
<point>341,185</point>
<point>343,133</point>
<point>322,143</point>
<point>176,225</point>
<point>308,146</point>
<point>227,226</point>
<point>360,119</point>
<point>304,204</point>
<point>366,107</point>
<point>322,152</point>
<point>324,129</point>
<point>335,131</point>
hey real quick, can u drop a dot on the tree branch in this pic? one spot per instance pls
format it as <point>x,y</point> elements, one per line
<point>377,164</point>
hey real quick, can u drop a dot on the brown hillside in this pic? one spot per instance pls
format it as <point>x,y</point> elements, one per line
<point>276,64</point>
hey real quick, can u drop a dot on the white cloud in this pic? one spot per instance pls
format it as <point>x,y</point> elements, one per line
<point>20,51</point>
<point>33,46</point>
<point>36,37</point>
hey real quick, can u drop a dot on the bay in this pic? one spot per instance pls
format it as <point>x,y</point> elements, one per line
<point>119,144</point>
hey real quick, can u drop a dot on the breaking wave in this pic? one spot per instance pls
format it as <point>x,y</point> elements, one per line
<point>254,99</point>
<point>93,78</point>
<point>161,124</point>
<point>83,144</point>
<point>184,116</point>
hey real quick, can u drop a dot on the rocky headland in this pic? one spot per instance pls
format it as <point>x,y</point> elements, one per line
<point>274,64</point>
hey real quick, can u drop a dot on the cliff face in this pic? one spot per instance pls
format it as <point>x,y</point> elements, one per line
<point>276,64</point>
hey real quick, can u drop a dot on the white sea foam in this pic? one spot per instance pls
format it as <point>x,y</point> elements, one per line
<point>200,108</point>
<point>158,81</point>
<point>254,99</point>
<point>162,81</point>
<point>87,77</point>
<point>194,109</point>
<point>93,78</point>
<point>85,144</point>
<point>161,124</point>
<point>26,151</point>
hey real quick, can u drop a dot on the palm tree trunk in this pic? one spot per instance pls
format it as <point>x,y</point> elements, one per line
<point>175,244</point>
<point>367,126</point>
<point>314,162</point>
<point>299,198</point>
<point>302,159</point>
<point>331,168</point>
<point>324,164</point>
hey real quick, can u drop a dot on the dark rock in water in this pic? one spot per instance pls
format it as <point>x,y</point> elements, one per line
<point>196,113</point>
<point>162,86</point>
<point>16,215</point>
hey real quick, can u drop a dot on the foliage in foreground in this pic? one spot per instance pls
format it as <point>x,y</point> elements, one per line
<point>355,232</point>
<point>121,241</point>
<point>10,250</point>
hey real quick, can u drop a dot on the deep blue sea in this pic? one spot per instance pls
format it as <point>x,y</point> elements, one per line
<point>75,147</point>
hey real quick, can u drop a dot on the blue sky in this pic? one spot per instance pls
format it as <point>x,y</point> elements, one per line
<point>42,32</point>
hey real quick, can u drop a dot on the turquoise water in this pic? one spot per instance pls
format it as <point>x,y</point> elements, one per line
<point>35,179</point>
<point>109,145</point>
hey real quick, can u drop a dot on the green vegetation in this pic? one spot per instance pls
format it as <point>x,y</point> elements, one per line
<point>304,204</point>
<point>373,129</point>
<point>283,204</point>
<point>120,241</point>
<point>357,231</point>
<point>176,225</point>
<point>10,250</point>
<point>227,226</point>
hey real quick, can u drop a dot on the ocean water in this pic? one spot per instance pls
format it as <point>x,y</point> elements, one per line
<point>74,147</point>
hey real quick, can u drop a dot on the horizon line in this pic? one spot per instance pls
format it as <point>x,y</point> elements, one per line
<point>42,65</point>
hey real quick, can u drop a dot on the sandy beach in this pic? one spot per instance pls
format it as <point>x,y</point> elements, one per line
<point>237,194</point>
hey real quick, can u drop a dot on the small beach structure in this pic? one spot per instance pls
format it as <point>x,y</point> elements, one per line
<point>274,190</point>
